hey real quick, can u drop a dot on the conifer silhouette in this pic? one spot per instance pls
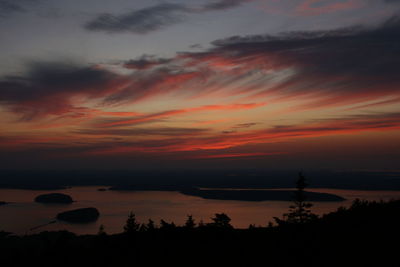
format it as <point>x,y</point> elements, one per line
<point>190,222</point>
<point>299,211</point>
<point>131,225</point>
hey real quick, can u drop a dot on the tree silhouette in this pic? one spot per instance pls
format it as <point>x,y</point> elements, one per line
<point>143,228</point>
<point>166,226</point>
<point>131,225</point>
<point>150,225</point>
<point>190,224</point>
<point>221,220</point>
<point>300,211</point>
<point>201,224</point>
<point>101,231</point>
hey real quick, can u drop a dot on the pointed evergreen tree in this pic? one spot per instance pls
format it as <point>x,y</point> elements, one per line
<point>190,224</point>
<point>131,225</point>
<point>300,211</point>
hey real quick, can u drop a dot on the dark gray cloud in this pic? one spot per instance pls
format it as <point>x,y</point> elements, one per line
<point>158,81</point>
<point>145,20</point>
<point>139,21</point>
<point>223,4</point>
<point>48,87</point>
<point>341,65</point>
<point>392,1</point>
<point>145,62</point>
<point>8,7</point>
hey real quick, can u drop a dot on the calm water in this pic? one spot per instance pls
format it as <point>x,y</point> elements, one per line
<point>114,207</point>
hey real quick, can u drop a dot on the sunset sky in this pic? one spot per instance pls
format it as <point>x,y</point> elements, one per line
<point>266,84</point>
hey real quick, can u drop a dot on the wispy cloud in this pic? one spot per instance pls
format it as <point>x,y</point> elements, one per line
<point>318,7</point>
<point>140,21</point>
<point>223,4</point>
<point>325,68</point>
<point>355,66</point>
<point>48,88</point>
<point>149,19</point>
<point>392,1</point>
<point>8,7</point>
<point>145,62</point>
<point>164,131</point>
<point>169,113</point>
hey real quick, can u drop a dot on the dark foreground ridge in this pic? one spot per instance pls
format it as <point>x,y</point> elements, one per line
<point>54,198</point>
<point>365,234</point>
<point>84,215</point>
<point>258,195</point>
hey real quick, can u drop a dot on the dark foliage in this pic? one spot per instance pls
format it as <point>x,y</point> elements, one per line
<point>190,224</point>
<point>365,234</point>
<point>222,221</point>
<point>131,225</point>
<point>300,210</point>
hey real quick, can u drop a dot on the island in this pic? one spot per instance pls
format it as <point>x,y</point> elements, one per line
<point>102,189</point>
<point>3,203</point>
<point>258,195</point>
<point>84,215</point>
<point>57,198</point>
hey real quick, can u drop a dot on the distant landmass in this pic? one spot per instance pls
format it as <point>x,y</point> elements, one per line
<point>181,180</point>
<point>259,195</point>
<point>84,215</point>
<point>55,198</point>
<point>3,203</point>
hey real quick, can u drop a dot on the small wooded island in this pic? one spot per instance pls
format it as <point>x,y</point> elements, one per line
<point>84,215</point>
<point>258,195</point>
<point>56,198</point>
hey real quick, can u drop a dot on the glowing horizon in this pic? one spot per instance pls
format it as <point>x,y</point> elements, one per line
<point>318,97</point>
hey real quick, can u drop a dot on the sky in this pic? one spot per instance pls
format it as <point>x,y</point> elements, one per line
<point>205,84</point>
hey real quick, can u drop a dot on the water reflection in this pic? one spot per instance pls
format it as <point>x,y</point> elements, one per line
<point>114,207</point>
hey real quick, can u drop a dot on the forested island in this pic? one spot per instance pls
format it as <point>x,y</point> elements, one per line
<point>54,198</point>
<point>257,195</point>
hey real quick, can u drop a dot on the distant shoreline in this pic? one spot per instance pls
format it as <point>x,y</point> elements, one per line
<point>182,180</point>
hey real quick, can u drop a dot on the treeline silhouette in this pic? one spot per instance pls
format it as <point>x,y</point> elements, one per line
<point>132,226</point>
<point>364,234</point>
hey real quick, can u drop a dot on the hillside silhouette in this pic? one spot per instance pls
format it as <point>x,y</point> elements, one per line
<point>364,234</point>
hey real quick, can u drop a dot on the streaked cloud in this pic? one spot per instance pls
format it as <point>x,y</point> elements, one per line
<point>145,62</point>
<point>318,7</point>
<point>153,18</point>
<point>48,88</point>
<point>326,68</point>
<point>8,7</point>
<point>169,113</point>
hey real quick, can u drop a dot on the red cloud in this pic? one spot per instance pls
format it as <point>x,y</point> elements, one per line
<point>169,113</point>
<point>350,125</point>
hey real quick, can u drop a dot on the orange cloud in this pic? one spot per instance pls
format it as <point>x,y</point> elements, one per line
<point>169,113</point>
<point>350,125</point>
